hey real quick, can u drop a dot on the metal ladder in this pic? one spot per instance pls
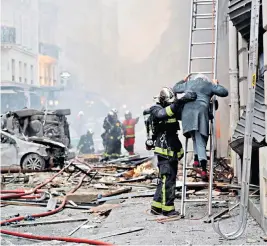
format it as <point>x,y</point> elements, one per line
<point>252,78</point>
<point>211,44</point>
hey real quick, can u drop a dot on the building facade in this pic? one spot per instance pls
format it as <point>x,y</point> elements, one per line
<point>19,41</point>
<point>48,49</point>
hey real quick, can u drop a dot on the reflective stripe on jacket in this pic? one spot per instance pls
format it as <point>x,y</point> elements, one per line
<point>129,128</point>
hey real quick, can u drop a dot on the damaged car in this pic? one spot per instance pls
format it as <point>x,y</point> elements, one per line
<point>46,132</point>
<point>33,153</point>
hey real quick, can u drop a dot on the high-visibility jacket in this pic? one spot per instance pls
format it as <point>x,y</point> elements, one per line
<point>129,128</point>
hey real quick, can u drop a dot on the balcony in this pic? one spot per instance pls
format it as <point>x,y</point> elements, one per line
<point>49,50</point>
<point>8,35</point>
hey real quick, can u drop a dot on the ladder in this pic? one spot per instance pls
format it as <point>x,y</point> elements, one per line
<point>252,78</point>
<point>203,20</point>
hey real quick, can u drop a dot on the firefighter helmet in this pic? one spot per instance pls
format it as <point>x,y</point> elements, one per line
<point>166,96</point>
<point>128,114</point>
<point>114,110</point>
<point>90,131</point>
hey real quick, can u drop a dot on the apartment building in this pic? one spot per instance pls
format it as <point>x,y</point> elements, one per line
<point>48,57</point>
<point>19,41</point>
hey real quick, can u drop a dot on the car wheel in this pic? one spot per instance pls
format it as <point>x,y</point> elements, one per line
<point>33,162</point>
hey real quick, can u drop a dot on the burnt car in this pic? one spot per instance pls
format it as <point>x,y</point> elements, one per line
<point>46,128</point>
<point>31,154</point>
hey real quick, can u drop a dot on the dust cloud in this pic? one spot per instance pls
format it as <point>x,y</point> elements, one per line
<point>124,50</point>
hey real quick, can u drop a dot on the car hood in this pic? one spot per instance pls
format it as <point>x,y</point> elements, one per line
<point>46,141</point>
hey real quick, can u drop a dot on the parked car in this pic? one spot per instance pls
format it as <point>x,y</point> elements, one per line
<point>32,153</point>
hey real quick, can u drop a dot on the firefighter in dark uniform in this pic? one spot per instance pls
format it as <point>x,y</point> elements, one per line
<point>107,126</point>
<point>86,143</point>
<point>168,148</point>
<point>113,137</point>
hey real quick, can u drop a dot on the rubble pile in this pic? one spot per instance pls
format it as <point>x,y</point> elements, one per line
<point>93,187</point>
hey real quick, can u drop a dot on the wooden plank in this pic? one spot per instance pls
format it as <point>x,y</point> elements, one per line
<point>118,232</point>
<point>49,222</point>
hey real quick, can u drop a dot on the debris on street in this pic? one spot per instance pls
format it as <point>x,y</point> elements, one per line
<point>96,188</point>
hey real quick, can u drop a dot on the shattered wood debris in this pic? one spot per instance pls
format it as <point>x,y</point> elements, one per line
<point>104,186</point>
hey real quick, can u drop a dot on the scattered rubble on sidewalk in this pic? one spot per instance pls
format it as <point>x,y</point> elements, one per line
<point>104,187</point>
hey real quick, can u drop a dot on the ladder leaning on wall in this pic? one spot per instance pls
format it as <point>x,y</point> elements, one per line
<point>210,14</point>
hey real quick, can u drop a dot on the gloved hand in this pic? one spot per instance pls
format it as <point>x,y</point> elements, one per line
<point>149,144</point>
<point>216,104</point>
<point>189,96</point>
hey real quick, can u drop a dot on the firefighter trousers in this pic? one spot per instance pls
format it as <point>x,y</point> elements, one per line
<point>163,200</point>
<point>130,149</point>
<point>113,148</point>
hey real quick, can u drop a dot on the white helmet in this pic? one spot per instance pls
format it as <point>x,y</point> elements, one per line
<point>81,113</point>
<point>114,110</point>
<point>90,131</point>
<point>166,95</point>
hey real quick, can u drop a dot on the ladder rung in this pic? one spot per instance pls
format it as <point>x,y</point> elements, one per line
<point>206,72</point>
<point>190,151</point>
<point>203,1</point>
<point>202,43</point>
<point>206,16</point>
<point>202,29</point>
<point>196,200</point>
<point>202,58</point>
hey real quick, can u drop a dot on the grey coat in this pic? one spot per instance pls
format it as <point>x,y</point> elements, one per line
<point>195,115</point>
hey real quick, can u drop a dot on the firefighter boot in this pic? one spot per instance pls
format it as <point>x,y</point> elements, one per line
<point>171,213</point>
<point>155,211</point>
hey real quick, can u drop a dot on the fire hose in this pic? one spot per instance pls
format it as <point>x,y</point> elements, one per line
<point>36,188</point>
<point>19,218</point>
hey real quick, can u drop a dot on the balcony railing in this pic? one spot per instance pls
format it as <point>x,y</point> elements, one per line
<point>8,35</point>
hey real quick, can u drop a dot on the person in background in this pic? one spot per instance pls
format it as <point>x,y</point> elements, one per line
<point>168,148</point>
<point>113,136</point>
<point>107,126</point>
<point>196,114</point>
<point>129,132</point>
<point>86,143</point>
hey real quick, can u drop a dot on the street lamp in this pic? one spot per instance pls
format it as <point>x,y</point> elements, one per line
<point>65,76</point>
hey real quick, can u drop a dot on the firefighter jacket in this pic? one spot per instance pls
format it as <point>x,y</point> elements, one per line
<point>115,132</point>
<point>165,129</point>
<point>86,144</point>
<point>129,127</point>
<point>107,124</point>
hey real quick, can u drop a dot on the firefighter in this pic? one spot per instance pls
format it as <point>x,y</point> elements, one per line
<point>107,126</point>
<point>113,137</point>
<point>168,148</point>
<point>196,115</point>
<point>86,143</point>
<point>129,132</point>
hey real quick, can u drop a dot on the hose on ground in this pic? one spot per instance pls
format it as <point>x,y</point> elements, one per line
<point>49,238</point>
<point>17,195</point>
<point>15,219</point>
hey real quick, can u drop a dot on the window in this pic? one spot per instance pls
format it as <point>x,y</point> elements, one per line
<point>20,72</point>
<point>25,73</point>
<point>31,74</point>
<point>13,69</point>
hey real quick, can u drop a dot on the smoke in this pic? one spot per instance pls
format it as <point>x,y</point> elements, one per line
<point>124,50</point>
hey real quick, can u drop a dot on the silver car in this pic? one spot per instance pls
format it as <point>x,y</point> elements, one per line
<point>31,153</point>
